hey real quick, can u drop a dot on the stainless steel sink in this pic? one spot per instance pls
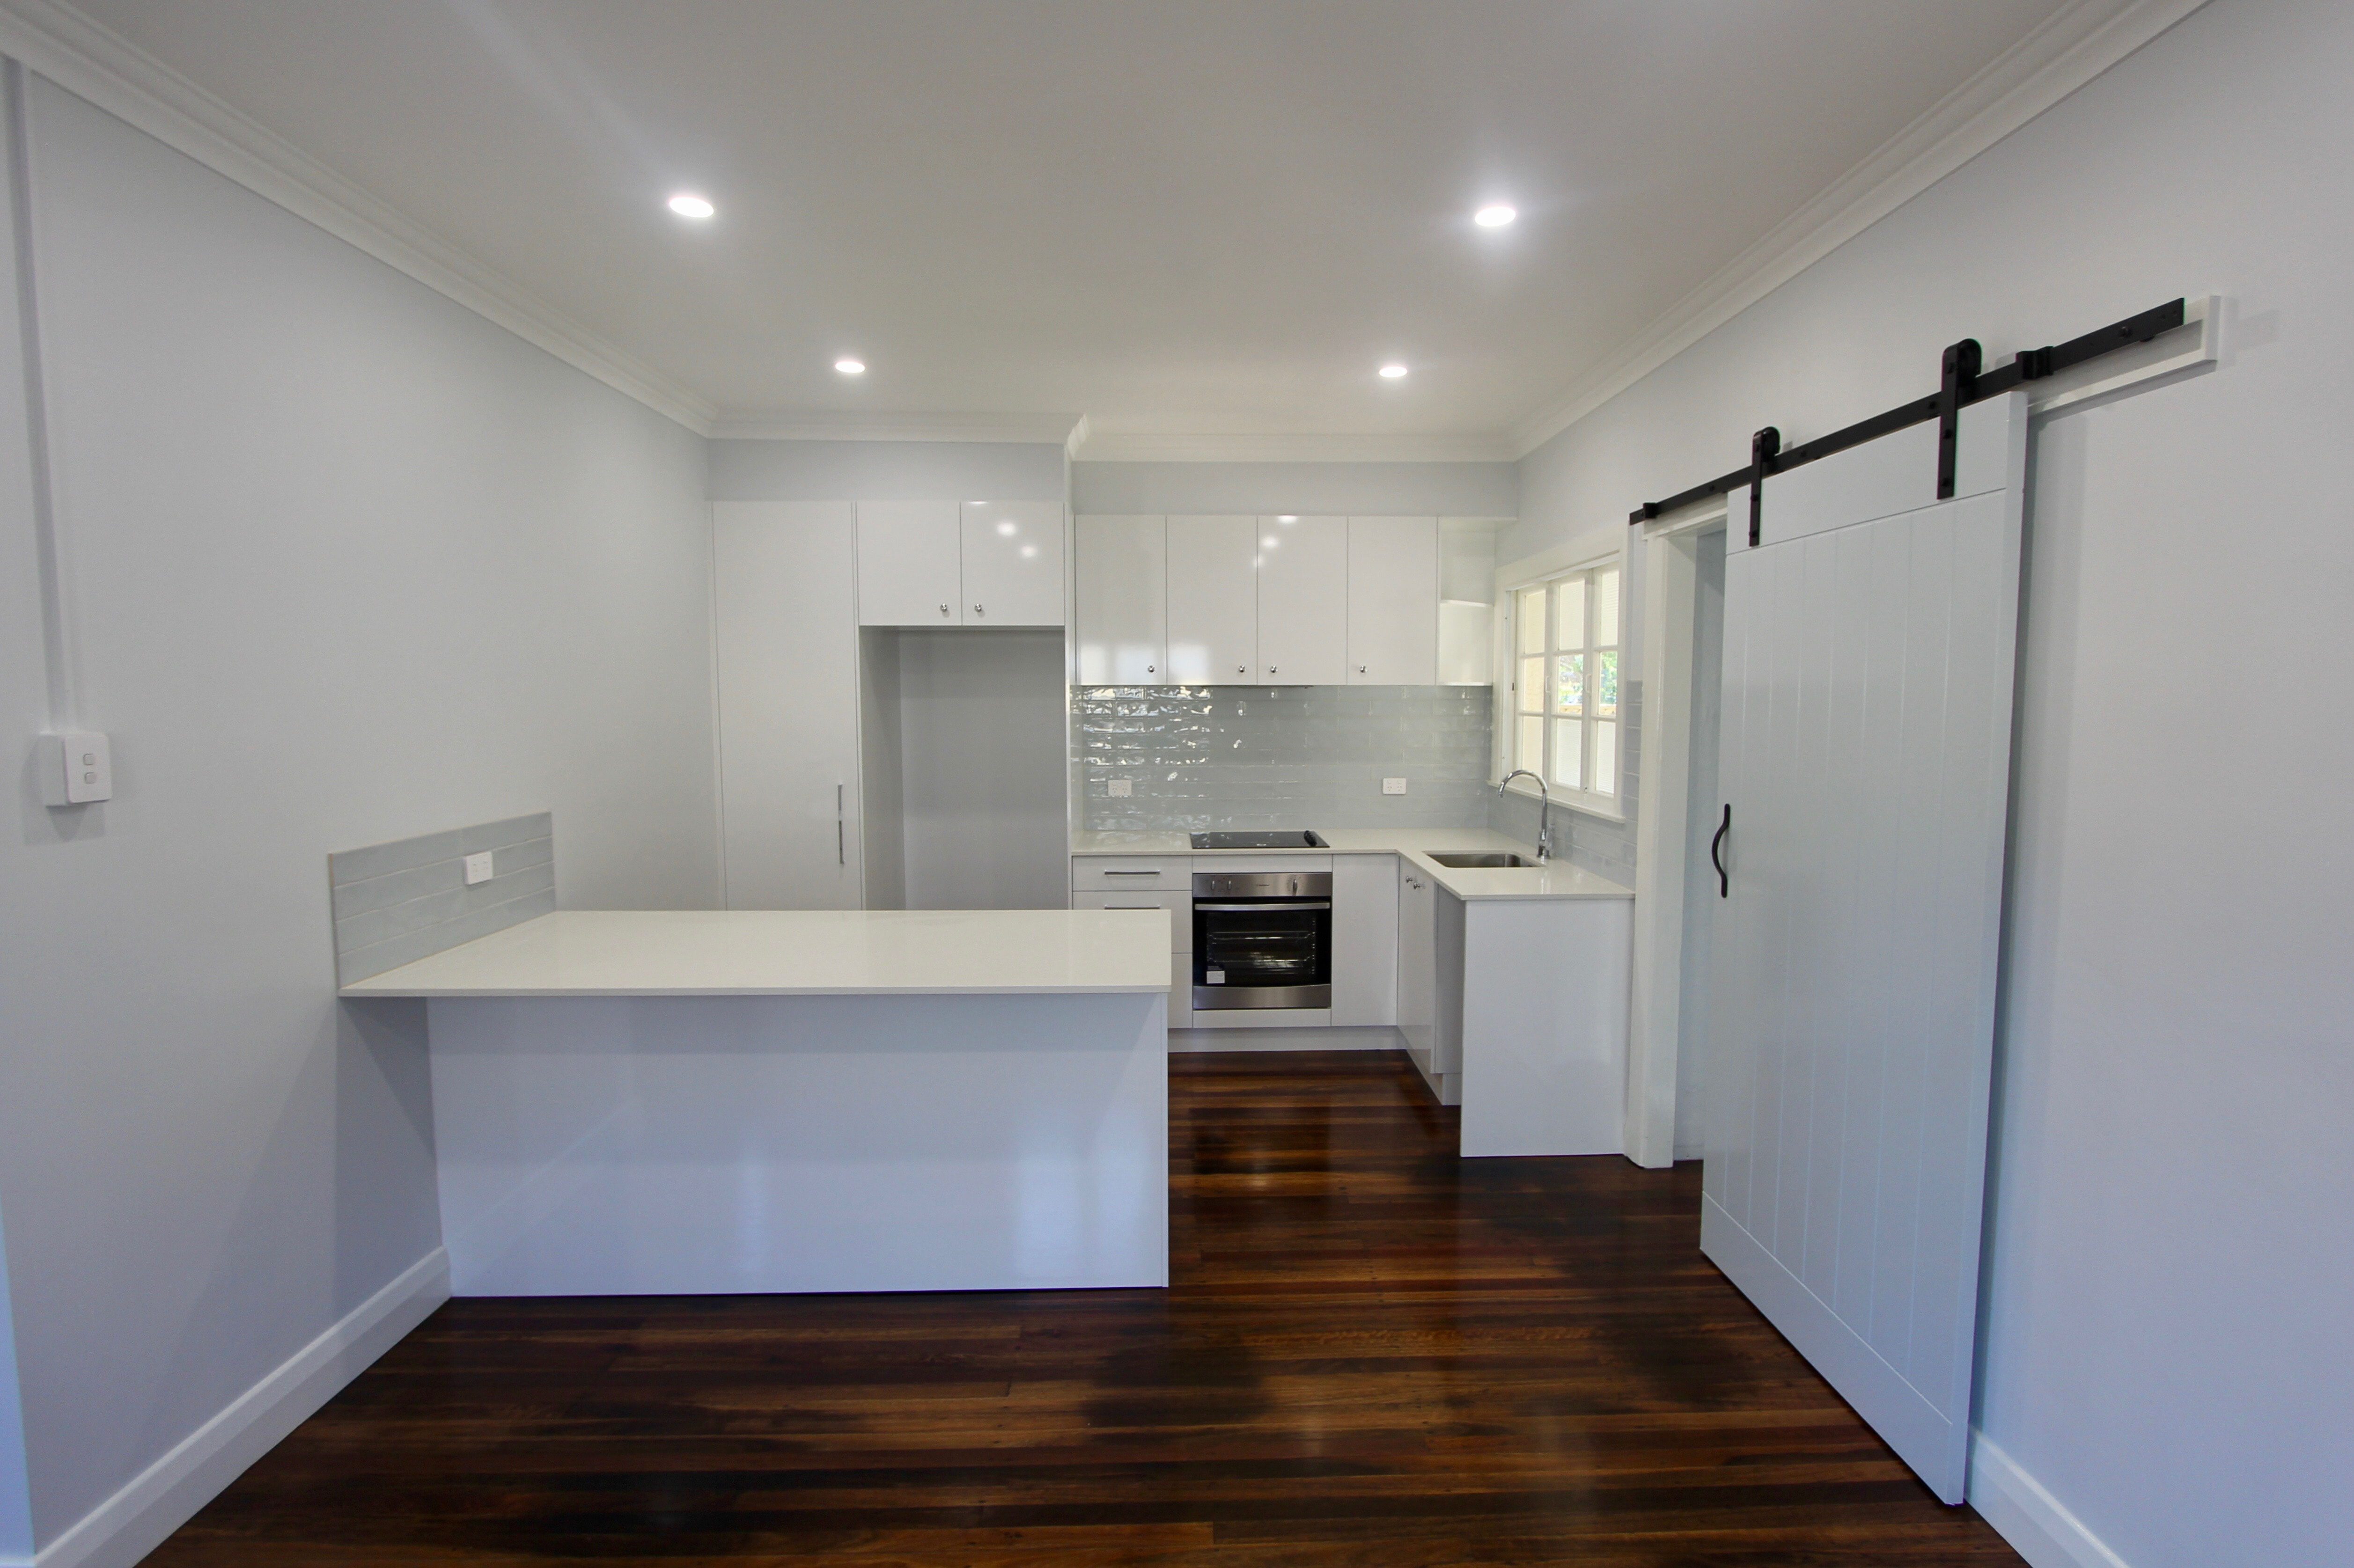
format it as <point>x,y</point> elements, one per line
<point>1480,861</point>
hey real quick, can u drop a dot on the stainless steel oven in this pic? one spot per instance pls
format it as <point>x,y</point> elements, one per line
<point>1262,939</point>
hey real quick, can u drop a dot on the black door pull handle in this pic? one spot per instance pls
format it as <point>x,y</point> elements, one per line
<point>1724,883</point>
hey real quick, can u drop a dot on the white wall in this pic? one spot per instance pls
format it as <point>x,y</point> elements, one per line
<point>981,727</point>
<point>886,471</point>
<point>345,563</point>
<point>1331,489</point>
<point>2169,1260</point>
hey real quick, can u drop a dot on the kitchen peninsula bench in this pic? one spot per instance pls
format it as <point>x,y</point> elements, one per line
<point>663,1102</point>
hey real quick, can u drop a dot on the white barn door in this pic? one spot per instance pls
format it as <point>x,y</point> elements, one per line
<point>1868,643</point>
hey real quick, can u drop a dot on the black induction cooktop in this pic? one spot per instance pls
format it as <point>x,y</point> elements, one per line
<point>1259,841</point>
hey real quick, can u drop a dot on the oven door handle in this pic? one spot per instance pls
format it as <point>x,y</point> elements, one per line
<point>1275,904</point>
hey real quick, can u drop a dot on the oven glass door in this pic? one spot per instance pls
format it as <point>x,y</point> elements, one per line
<point>1262,953</point>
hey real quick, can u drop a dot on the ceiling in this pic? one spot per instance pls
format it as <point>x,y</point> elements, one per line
<point>1179,219</point>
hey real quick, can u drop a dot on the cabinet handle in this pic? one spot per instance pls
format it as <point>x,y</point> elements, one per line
<point>1242,669</point>
<point>977,609</point>
<point>1270,669</point>
<point>1131,874</point>
<point>1149,668</point>
<point>944,610</point>
<point>1724,882</point>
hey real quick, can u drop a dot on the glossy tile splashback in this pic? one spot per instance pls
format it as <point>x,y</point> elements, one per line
<point>396,902</point>
<point>1281,756</point>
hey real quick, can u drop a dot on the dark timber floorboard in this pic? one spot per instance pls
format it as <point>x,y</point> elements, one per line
<point>1372,1354</point>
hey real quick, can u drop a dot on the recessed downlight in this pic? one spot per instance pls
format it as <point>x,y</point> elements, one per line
<point>851,366</point>
<point>1393,371</point>
<point>1496,214</point>
<point>686,203</point>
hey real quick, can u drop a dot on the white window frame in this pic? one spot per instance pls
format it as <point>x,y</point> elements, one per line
<point>1603,550</point>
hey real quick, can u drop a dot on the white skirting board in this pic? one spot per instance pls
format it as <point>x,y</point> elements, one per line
<point>2038,1525</point>
<point>1370,1037</point>
<point>127,1526</point>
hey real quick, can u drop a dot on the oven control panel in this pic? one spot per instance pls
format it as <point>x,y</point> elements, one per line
<point>1262,884</point>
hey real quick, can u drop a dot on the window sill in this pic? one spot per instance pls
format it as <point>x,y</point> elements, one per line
<point>1583,801</point>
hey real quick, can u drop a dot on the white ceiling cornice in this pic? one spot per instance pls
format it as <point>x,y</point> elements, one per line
<point>97,64</point>
<point>1043,429</point>
<point>1146,446</point>
<point>2071,46</point>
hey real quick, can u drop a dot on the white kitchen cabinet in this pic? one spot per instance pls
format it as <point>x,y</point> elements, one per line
<point>1364,938</point>
<point>1013,563</point>
<point>1123,601</point>
<point>1213,600</point>
<point>1418,974</point>
<point>1392,601</point>
<point>910,563</point>
<point>1303,602</point>
<point>786,639</point>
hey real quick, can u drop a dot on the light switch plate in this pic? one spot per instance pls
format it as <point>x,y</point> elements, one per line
<point>1392,786</point>
<point>1121,788</point>
<point>478,868</point>
<point>77,769</point>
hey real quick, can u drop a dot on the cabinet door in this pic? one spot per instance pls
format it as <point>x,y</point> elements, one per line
<point>786,636</point>
<point>1303,601</point>
<point>1012,564</point>
<point>1364,938</point>
<point>1392,601</point>
<point>1418,965</point>
<point>1123,601</point>
<point>908,571</point>
<point>1213,600</point>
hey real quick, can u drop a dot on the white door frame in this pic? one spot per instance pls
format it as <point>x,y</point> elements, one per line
<point>1671,548</point>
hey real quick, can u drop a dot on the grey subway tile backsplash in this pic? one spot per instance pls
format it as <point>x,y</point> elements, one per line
<point>396,902</point>
<point>1280,756</point>
<point>1601,846</point>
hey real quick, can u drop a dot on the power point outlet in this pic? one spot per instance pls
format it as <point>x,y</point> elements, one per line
<point>1392,786</point>
<point>478,868</point>
<point>77,769</point>
<point>1121,788</point>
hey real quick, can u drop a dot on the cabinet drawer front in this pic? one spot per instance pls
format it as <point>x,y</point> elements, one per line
<point>1133,873</point>
<point>1180,906</point>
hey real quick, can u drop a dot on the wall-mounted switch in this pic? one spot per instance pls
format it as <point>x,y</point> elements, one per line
<point>1121,788</point>
<point>76,768</point>
<point>478,868</point>
<point>1392,786</point>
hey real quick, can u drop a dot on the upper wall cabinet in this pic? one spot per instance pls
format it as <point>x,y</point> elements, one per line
<point>944,563</point>
<point>1123,601</point>
<point>1208,601</point>
<point>1392,601</point>
<point>909,563</point>
<point>1213,600</point>
<point>1012,564</point>
<point>1303,601</point>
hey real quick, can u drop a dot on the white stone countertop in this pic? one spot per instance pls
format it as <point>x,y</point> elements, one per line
<point>1555,879</point>
<point>799,952</point>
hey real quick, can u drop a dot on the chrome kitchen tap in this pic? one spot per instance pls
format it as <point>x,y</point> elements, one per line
<point>1544,811</point>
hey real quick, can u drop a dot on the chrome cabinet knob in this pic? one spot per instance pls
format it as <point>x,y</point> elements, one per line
<point>1242,669</point>
<point>1148,669</point>
<point>1270,669</point>
<point>977,609</point>
<point>944,610</point>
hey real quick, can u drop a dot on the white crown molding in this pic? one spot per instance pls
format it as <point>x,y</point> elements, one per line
<point>1108,446</point>
<point>2072,45</point>
<point>1042,430</point>
<point>97,64</point>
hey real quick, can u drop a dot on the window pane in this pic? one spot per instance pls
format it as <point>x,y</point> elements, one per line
<point>1569,613</point>
<point>1606,684</point>
<point>1567,734</point>
<point>1530,752</point>
<point>1533,625</point>
<point>1530,697</point>
<point>1605,760</point>
<point>1569,683</point>
<point>1606,608</point>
